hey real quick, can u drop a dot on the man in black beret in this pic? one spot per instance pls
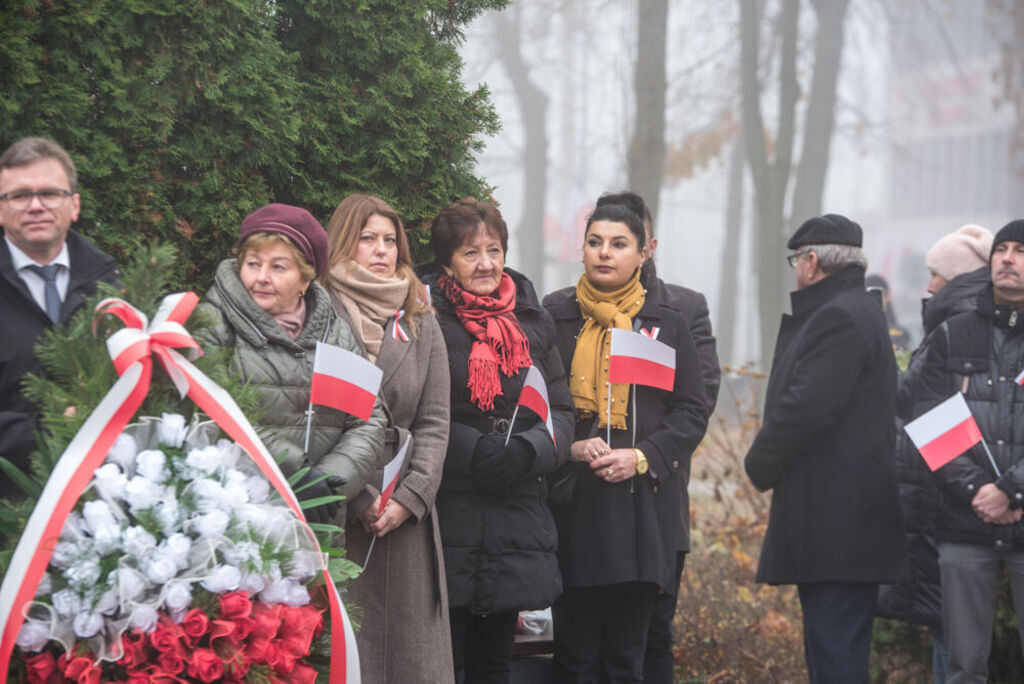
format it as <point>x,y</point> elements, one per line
<point>826,451</point>
<point>979,526</point>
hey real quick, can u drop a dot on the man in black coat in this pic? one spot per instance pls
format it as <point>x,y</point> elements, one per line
<point>46,273</point>
<point>979,527</point>
<point>659,661</point>
<point>826,451</point>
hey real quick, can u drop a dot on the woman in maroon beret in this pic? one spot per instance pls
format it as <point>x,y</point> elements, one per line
<point>266,306</point>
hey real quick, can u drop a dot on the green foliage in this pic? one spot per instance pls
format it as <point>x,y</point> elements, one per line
<point>183,117</point>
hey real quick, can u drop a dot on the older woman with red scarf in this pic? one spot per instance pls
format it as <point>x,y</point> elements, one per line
<point>497,531</point>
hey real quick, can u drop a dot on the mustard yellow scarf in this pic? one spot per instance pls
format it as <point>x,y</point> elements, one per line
<point>588,381</point>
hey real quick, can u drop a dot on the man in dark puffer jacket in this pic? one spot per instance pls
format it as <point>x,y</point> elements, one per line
<point>980,353</point>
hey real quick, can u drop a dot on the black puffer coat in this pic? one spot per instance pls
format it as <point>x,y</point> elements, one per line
<point>629,531</point>
<point>984,349</point>
<point>499,547</point>
<point>919,599</point>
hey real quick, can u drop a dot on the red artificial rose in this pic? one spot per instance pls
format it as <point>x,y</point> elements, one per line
<point>266,618</point>
<point>134,645</point>
<point>138,678</point>
<point>299,625</point>
<point>168,637</point>
<point>76,666</point>
<point>302,674</point>
<point>171,663</point>
<point>205,665</point>
<point>195,625</point>
<point>279,658</point>
<point>256,649</point>
<point>234,605</point>
<point>40,668</point>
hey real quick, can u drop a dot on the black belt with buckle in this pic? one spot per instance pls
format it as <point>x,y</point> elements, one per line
<point>487,424</point>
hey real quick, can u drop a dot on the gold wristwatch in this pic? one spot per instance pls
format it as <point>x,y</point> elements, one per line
<point>641,462</point>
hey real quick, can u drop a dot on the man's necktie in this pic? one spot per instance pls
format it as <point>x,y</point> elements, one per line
<point>49,274</point>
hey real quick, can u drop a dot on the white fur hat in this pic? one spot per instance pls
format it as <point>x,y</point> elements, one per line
<point>965,249</point>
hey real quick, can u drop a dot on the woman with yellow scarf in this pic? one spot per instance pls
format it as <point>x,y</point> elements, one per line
<point>618,533</point>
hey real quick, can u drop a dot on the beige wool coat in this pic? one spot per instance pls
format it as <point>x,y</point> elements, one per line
<point>404,634</point>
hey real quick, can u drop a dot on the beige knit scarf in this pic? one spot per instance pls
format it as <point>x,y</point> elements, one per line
<point>369,299</point>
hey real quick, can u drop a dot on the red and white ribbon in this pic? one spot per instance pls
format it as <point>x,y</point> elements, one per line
<point>396,331</point>
<point>652,333</point>
<point>132,350</point>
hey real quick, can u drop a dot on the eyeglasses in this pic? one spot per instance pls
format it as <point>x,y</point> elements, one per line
<point>51,198</point>
<point>791,259</point>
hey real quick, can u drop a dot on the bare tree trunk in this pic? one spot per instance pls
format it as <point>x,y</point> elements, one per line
<point>728,283</point>
<point>809,186</point>
<point>646,155</point>
<point>533,103</point>
<point>770,173</point>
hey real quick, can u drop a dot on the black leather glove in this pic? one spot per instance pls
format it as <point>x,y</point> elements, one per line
<point>487,447</point>
<point>327,486</point>
<point>499,470</point>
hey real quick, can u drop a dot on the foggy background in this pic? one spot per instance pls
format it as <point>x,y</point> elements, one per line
<point>919,134</point>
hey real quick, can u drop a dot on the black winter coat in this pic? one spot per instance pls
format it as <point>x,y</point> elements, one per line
<point>694,309</point>
<point>629,531</point>
<point>919,599</point>
<point>22,322</point>
<point>826,447</point>
<point>499,546</point>
<point>983,349</point>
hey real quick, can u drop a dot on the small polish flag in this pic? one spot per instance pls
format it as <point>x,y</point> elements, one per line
<point>944,432</point>
<point>534,396</point>
<point>396,331</point>
<point>1020,378</point>
<point>391,471</point>
<point>641,360</point>
<point>344,380</point>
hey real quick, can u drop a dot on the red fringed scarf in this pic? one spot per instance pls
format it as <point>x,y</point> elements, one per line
<point>500,342</point>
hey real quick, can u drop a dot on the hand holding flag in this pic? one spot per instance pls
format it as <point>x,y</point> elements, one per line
<point>391,472</point>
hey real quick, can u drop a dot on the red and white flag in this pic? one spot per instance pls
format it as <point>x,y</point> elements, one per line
<point>1020,378</point>
<point>534,396</point>
<point>344,380</point>
<point>945,432</point>
<point>391,472</point>
<point>641,360</point>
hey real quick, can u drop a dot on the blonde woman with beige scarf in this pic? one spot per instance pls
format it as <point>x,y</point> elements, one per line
<point>404,635</point>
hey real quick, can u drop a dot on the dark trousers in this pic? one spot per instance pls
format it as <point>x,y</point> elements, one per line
<point>482,645</point>
<point>600,633</point>
<point>837,630</point>
<point>659,659</point>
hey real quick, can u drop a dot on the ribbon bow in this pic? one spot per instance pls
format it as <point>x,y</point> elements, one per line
<point>397,332</point>
<point>132,350</point>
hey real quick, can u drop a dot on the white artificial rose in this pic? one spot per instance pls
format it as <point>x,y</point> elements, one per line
<point>236,493</point>
<point>130,583</point>
<point>67,602</point>
<point>123,452</point>
<point>159,568</point>
<point>142,493</point>
<point>144,618</point>
<point>137,541</point>
<point>258,488</point>
<point>152,465</point>
<point>32,637</point>
<point>172,430</point>
<point>178,596</point>
<point>177,547</point>
<point>72,529</point>
<point>252,583</point>
<point>108,602</point>
<point>100,520</point>
<point>83,572</point>
<point>228,452</point>
<point>87,625</point>
<point>168,513</point>
<point>286,591</point>
<point>253,515</point>
<point>205,460</point>
<point>207,494</point>
<point>222,579</point>
<point>64,552</point>
<point>45,585</point>
<point>306,563</point>
<point>110,481</point>
<point>211,524</point>
<point>243,554</point>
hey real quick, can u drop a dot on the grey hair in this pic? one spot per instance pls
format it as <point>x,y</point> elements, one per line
<point>831,258</point>
<point>30,150</point>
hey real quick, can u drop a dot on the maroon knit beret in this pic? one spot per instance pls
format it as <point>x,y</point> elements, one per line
<point>296,224</point>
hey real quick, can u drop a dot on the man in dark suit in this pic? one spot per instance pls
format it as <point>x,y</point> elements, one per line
<point>47,271</point>
<point>826,452</point>
<point>659,665</point>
